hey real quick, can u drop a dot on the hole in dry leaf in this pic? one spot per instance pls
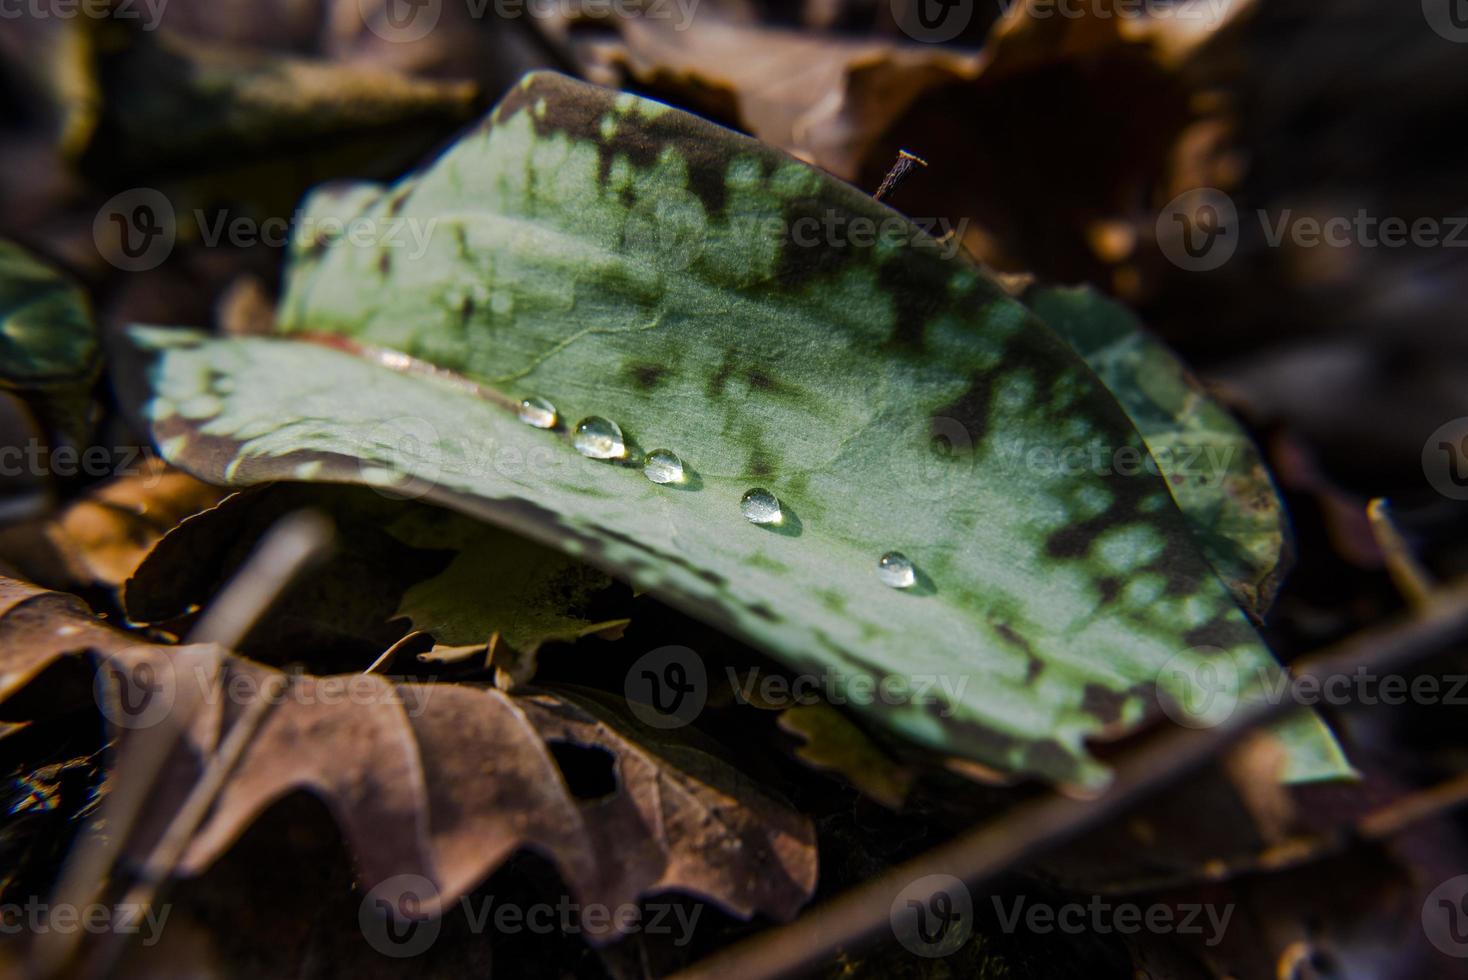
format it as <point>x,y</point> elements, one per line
<point>590,772</point>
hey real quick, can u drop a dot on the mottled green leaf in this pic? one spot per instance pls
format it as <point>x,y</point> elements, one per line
<point>47,335</point>
<point>626,260</point>
<point>1212,467</point>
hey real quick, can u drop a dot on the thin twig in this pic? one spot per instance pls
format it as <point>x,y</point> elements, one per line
<point>295,542</point>
<point>859,916</point>
<point>1412,580</point>
<point>1377,825</point>
<point>164,858</point>
<point>292,544</point>
<point>905,163</point>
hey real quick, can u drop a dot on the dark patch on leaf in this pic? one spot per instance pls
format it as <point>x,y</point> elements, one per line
<point>647,376</point>
<point>972,410</point>
<point>1103,703</point>
<point>764,612</point>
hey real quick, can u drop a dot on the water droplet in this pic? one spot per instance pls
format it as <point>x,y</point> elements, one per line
<point>761,507</point>
<point>663,466</point>
<point>894,569</point>
<point>600,438</point>
<point>539,413</point>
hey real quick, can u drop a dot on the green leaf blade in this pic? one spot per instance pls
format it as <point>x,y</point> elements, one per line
<point>1046,608</point>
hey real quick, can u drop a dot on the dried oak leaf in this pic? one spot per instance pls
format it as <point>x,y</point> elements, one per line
<point>432,785</point>
<point>1035,112</point>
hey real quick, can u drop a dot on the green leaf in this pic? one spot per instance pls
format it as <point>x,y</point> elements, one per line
<point>501,584</point>
<point>626,260</point>
<point>47,335</point>
<point>456,578</point>
<point>833,742</point>
<point>1212,467</point>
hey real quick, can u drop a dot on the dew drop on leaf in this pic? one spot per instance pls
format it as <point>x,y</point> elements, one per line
<point>663,466</point>
<point>600,438</point>
<point>539,413</point>
<point>761,507</point>
<point>895,570</point>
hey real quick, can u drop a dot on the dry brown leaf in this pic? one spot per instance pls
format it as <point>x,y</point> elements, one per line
<point>1058,129</point>
<point>794,90</point>
<point>432,785</point>
<point>101,538</point>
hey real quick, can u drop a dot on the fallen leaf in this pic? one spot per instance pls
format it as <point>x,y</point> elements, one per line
<point>172,103</point>
<point>432,785</point>
<point>824,372</point>
<point>47,335</point>
<point>833,742</point>
<point>100,539</point>
<point>507,586</point>
<point>398,562</point>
